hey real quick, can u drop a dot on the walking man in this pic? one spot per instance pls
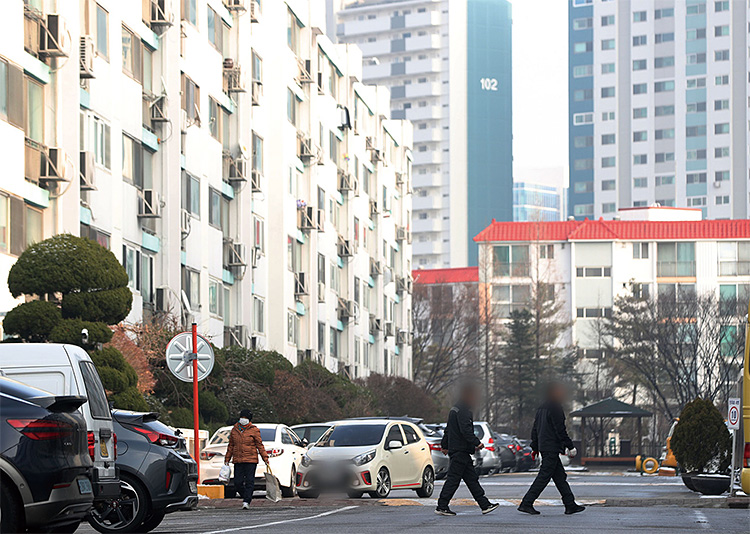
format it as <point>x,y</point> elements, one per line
<point>245,444</point>
<point>550,438</point>
<point>460,442</point>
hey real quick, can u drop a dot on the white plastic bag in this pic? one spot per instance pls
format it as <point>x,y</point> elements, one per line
<point>273,491</point>
<point>225,473</point>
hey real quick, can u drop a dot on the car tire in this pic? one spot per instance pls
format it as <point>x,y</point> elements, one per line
<point>310,494</point>
<point>135,503</point>
<point>428,483</point>
<point>382,485</point>
<point>355,494</point>
<point>291,491</point>
<point>11,519</point>
<point>152,521</point>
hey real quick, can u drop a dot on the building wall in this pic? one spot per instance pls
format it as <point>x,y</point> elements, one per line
<point>658,106</point>
<point>226,243</point>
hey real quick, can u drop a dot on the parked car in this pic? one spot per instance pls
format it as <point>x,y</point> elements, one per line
<point>488,459</point>
<point>311,431</point>
<point>285,451</point>
<point>370,456</point>
<point>68,370</point>
<point>505,446</point>
<point>157,476</point>
<point>44,460</point>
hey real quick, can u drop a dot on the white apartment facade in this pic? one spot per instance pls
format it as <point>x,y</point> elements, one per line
<point>229,155</point>
<point>658,104</point>
<point>447,65</point>
<point>655,251</point>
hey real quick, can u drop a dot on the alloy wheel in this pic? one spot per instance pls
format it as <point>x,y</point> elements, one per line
<point>428,481</point>
<point>383,483</point>
<point>120,513</point>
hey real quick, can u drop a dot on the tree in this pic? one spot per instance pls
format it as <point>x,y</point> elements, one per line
<point>701,441</point>
<point>397,396</point>
<point>520,369</point>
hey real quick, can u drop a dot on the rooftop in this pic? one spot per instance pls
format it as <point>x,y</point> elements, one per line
<point>456,275</point>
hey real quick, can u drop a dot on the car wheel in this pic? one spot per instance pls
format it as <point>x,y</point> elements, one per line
<point>11,519</point>
<point>152,521</point>
<point>123,514</point>
<point>291,491</point>
<point>428,483</point>
<point>355,494</point>
<point>382,485</point>
<point>310,494</point>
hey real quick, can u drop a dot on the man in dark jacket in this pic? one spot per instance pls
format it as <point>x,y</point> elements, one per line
<point>550,438</point>
<point>460,442</point>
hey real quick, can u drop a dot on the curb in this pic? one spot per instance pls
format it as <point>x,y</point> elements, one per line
<point>683,502</point>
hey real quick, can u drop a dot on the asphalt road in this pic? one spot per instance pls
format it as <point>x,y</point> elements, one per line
<point>406,513</point>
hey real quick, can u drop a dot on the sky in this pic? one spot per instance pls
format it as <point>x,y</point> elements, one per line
<point>540,84</point>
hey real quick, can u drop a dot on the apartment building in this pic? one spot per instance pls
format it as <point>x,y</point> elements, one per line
<point>448,67</point>
<point>539,194</point>
<point>658,93</point>
<point>664,252</point>
<point>229,154</point>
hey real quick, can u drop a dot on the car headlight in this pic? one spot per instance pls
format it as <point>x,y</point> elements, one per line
<point>306,461</point>
<point>364,458</point>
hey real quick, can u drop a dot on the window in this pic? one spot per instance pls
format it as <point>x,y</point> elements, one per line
<point>191,99</point>
<point>608,116</point>
<point>4,222</point>
<point>722,5</point>
<point>580,95</point>
<point>608,68</point>
<point>547,251</point>
<point>4,89</point>
<point>608,44</point>
<point>20,225</point>
<point>664,180</point>
<point>640,159</point>
<point>34,111</point>
<point>191,197</point>
<point>190,12</point>
<point>218,33</point>
<point>662,62</point>
<point>722,200</point>
<point>215,297</point>
<point>95,136</point>
<point>721,31</point>
<point>581,71</point>
<point>675,259</point>
<point>696,34</point>
<point>102,32</point>
<point>609,207</point>
<point>292,107</point>
<point>583,164</point>
<point>334,351</point>
<point>321,338</point>
<point>511,260</point>
<point>722,80</point>
<point>640,113</point>
<point>583,141</point>
<point>583,47</point>
<point>590,313</point>
<point>132,161</point>
<point>696,9</point>
<point>131,261</point>
<point>257,153</point>
<point>191,282</point>
<point>215,218</point>
<point>593,272</point>
<point>333,147</point>
<point>259,319</point>
<point>608,162</point>
<point>696,107</point>
<point>662,111</point>
<point>721,55</point>
<point>640,136</point>
<point>609,185</point>
<point>695,131</point>
<point>733,298</point>
<point>664,37</point>
<point>721,152</point>
<point>639,40</point>
<point>583,118</point>
<point>661,157</point>
<point>734,258</point>
<point>640,64</point>
<point>662,87</point>
<point>583,210</point>
<point>721,128</point>
<point>582,24</point>
<point>692,83</point>
<point>583,187</point>
<point>292,327</point>
<point>293,254</point>
<point>608,139</point>
<point>721,104</point>
<point>640,183</point>
<point>608,92</point>
<point>641,291</point>
<point>696,59</point>
<point>640,251</point>
<point>696,178</point>
<point>147,278</point>
<point>640,88</point>
<point>640,16</point>
<point>507,299</point>
<point>218,122</point>
<point>292,31</point>
<point>697,154</point>
<point>608,20</point>
<point>664,13</point>
<point>696,201</point>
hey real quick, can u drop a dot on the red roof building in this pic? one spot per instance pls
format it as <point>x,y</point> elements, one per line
<point>459,275</point>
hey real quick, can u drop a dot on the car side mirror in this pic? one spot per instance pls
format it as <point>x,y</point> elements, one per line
<point>392,445</point>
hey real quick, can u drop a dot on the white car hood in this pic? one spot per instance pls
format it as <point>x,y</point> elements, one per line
<point>337,453</point>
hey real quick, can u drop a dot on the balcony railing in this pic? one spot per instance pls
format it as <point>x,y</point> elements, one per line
<point>675,268</point>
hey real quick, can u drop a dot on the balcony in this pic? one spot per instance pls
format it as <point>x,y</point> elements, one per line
<point>666,269</point>
<point>427,135</point>
<point>423,113</point>
<point>418,90</point>
<point>424,42</point>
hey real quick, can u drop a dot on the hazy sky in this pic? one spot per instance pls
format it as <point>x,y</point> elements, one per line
<point>540,83</point>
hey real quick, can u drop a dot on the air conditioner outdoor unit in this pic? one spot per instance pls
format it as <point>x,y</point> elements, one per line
<point>150,206</point>
<point>403,283</point>
<point>306,218</point>
<point>53,38</point>
<point>376,325</point>
<point>238,171</point>
<point>257,91</point>
<point>376,268</point>
<point>235,5</point>
<point>370,143</point>
<point>255,180</point>
<point>376,155</point>
<point>233,79</point>
<point>374,207</point>
<point>399,178</point>
<point>185,222</point>
<point>321,292</point>
<point>236,255</point>
<point>53,166</point>
<point>717,184</point>
<point>402,234</point>
<point>86,57</point>
<point>159,17</point>
<point>184,121</point>
<point>305,68</point>
<point>345,248</point>
<point>158,110</point>
<point>402,337</point>
<point>346,181</point>
<point>239,334</point>
<point>346,309</point>
<point>388,330</point>
<point>300,284</point>
<point>87,166</point>
<point>161,299</point>
<point>306,150</point>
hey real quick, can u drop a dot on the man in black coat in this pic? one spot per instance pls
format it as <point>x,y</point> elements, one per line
<point>550,438</point>
<point>460,442</point>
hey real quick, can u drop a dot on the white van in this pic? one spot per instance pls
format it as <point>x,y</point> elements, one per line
<point>68,370</point>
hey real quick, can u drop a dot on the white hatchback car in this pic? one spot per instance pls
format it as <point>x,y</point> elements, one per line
<point>285,450</point>
<point>371,456</point>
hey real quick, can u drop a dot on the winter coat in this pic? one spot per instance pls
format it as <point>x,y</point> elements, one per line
<point>549,433</point>
<point>245,444</point>
<point>459,432</point>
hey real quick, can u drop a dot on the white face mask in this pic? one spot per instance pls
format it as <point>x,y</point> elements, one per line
<point>244,421</point>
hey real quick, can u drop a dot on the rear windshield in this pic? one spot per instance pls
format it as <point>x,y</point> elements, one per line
<point>268,434</point>
<point>221,436</point>
<point>315,432</point>
<point>95,392</point>
<point>352,436</point>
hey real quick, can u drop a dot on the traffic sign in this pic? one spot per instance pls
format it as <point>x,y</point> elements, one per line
<point>733,416</point>
<point>180,356</point>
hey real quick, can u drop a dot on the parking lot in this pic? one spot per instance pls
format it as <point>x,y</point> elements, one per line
<point>405,512</point>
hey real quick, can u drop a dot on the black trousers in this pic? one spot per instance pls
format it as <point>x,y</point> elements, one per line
<point>461,467</point>
<point>551,469</point>
<point>244,480</point>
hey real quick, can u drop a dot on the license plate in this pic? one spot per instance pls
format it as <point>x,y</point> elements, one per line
<point>193,486</point>
<point>103,447</point>
<point>84,486</point>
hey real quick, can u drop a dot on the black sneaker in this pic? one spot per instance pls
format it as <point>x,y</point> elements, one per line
<point>528,509</point>
<point>490,508</point>
<point>574,509</point>
<point>444,511</point>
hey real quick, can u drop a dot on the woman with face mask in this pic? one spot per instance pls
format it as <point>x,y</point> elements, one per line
<point>245,444</point>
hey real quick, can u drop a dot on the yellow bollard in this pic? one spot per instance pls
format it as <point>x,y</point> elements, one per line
<point>212,491</point>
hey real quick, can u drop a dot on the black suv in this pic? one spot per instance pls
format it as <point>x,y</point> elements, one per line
<point>44,461</point>
<point>157,475</point>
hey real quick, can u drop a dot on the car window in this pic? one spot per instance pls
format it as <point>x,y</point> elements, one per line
<point>479,431</point>
<point>221,437</point>
<point>394,434</point>
<point>268,434</point>
<point>94,391</point>
<point>295,437</point>
<point>314,433</point>
<point>286,438</point>
<point>352,436</point>
<point>411,434</point>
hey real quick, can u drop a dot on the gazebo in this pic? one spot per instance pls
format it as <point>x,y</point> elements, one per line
<point>611,408</point>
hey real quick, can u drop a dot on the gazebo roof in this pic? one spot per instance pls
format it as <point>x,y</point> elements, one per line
<point>610,408</point>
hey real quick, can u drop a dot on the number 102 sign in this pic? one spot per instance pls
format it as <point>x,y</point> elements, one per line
<point>488,84</point>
